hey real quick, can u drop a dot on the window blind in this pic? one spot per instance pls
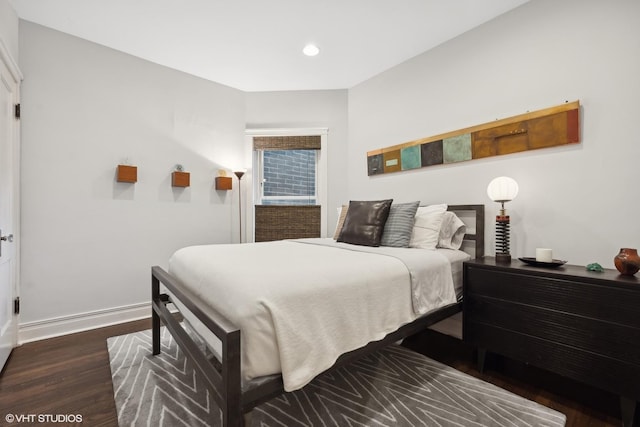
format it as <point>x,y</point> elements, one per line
<point>286,222</point>
<point>304,142</point>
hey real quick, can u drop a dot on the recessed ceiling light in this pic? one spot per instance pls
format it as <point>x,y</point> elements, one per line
<point>311,50</point>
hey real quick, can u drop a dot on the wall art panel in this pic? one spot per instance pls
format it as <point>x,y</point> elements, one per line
<point>545,128</point>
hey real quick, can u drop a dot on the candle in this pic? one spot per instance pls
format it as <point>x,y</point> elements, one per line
<point>544,255</point>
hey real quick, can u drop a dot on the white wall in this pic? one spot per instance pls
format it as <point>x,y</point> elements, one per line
<point>580,200</point>
<point>309,109</point>
<point>88,242</point>
<point>9,29</point>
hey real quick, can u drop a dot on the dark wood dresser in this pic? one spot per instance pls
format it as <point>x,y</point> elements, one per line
<point>580,324</point>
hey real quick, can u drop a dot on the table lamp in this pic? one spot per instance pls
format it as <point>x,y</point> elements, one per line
<point>502,189</point>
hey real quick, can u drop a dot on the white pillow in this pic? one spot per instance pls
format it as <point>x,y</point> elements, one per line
<point>426,228</point>
<point>452,231</point>
<point>342,214</point>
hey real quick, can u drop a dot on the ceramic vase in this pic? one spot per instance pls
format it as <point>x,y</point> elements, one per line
<point>627,261</point>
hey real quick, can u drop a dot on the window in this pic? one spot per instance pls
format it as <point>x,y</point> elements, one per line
<point>288,196</point>
<point>288,177</point>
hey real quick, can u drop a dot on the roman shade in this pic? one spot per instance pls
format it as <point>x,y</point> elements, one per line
<point>297,142</point>
<point>275,222</point>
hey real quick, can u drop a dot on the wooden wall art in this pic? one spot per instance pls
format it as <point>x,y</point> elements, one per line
<point>539,129</point>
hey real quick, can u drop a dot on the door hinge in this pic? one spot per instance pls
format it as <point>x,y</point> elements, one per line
<point>17,111</point>
<point>16,305</point>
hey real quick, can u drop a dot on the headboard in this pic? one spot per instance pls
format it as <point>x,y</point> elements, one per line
<point>473,218</point>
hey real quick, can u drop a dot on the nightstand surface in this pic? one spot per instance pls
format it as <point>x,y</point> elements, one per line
<point>578,323</point>
<point>609,276</point>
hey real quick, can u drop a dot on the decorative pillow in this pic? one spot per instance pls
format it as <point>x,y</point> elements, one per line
<point>342,214</point>
<point>426,228</point>
<point>364,222</point>
<point>397,230</point>
<point>452,231</point>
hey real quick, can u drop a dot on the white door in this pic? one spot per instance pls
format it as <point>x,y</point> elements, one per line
<point>9,158</point>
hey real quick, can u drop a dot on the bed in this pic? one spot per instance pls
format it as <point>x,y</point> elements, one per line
<point>245,369</point>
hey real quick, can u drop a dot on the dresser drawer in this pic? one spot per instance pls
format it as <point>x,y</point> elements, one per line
<point>591,368</point>
<point>615,304</point>
<point>612,340</point>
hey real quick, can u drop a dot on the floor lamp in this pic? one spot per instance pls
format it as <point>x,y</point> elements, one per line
<point>239,174</point>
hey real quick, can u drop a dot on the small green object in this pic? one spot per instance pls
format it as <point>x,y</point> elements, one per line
<point>595,267</point>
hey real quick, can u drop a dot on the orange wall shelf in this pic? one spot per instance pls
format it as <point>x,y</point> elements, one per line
<point>127,173</point>
<point>180,179</point>
<point>223,183</point>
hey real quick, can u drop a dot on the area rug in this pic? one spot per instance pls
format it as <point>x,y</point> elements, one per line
<point>392,387</point>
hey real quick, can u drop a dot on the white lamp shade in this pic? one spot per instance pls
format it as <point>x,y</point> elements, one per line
<point>502,189</point>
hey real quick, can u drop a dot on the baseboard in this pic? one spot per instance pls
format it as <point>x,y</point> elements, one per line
<point>43,329</point>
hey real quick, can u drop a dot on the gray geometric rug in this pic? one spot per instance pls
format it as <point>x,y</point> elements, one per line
<point>392,387</point>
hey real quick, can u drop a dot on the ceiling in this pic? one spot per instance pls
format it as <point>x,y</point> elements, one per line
<point>256,45</point>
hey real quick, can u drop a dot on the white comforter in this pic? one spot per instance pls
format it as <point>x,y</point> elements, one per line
<point>300,304</point>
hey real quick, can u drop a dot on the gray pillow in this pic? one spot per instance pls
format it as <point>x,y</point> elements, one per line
<point>364,222</point>
<point>399,225</point>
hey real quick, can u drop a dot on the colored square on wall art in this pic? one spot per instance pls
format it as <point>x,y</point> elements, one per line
<point>431,153</point>
<point>391,161</point>
<point>457,148</point>
<point>410,157</point>
<point>374,164</point>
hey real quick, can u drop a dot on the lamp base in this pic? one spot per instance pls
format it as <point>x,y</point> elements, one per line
<point>502,238</point>
<point>503,258</point>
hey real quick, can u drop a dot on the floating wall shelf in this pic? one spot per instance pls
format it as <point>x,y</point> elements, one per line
<point>180,179</point>
<point>223,183</point>
<point>127,173</point>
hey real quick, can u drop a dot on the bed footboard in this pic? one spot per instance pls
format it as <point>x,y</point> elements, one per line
<point>225,381</point>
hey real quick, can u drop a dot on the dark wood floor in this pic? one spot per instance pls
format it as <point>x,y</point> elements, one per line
<point>65,375</point>
<point>71,375</point>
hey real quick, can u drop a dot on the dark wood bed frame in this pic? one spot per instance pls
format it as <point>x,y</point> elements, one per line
<point>223,378</point>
